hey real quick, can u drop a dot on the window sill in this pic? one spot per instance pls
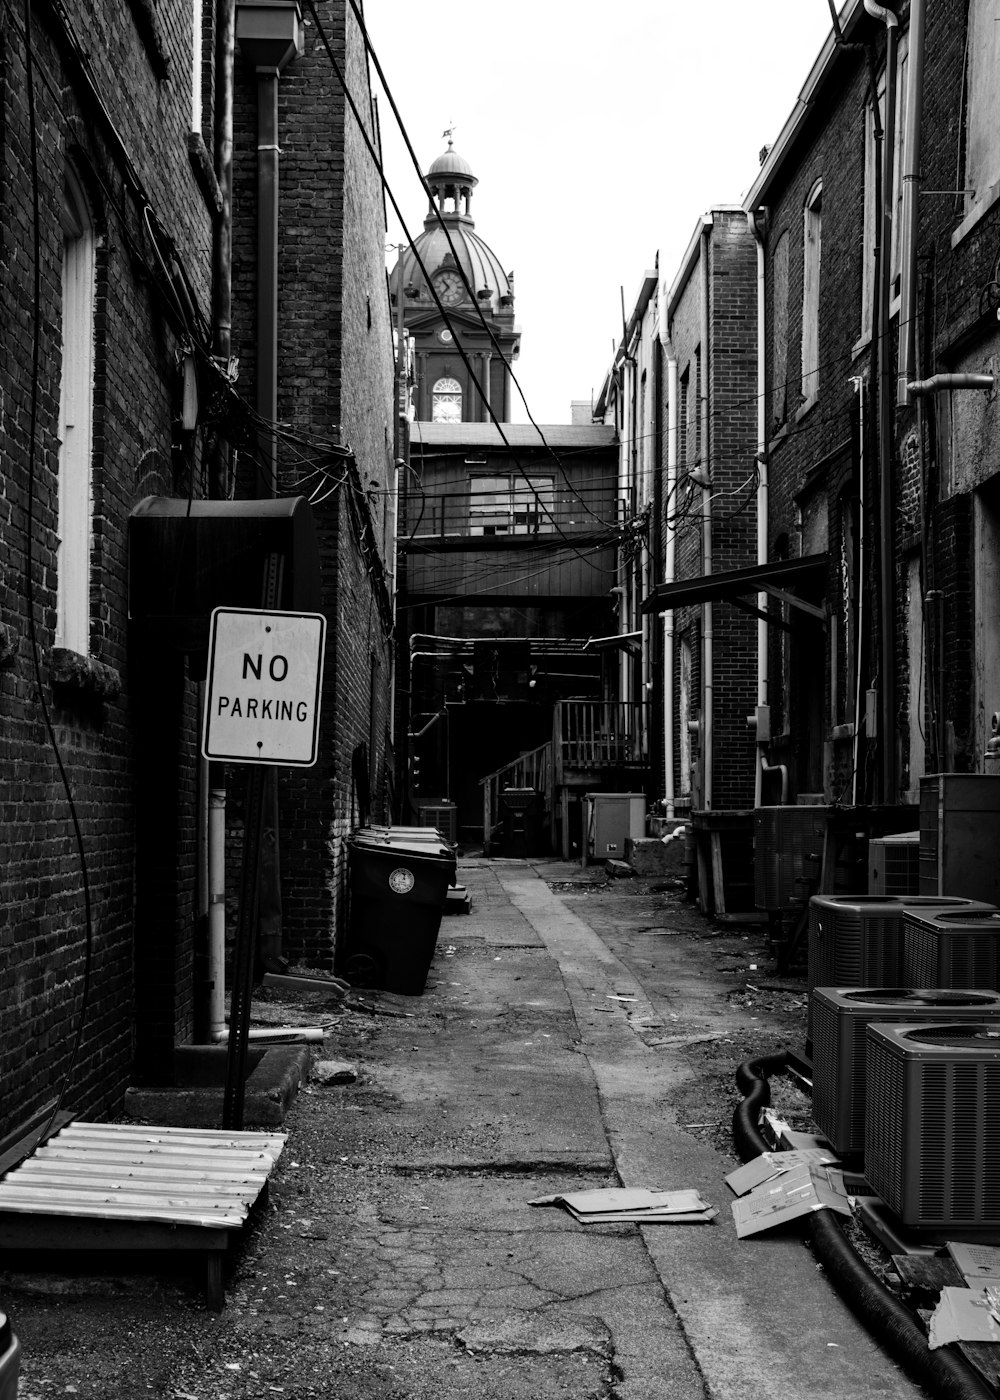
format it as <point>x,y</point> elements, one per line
<point>82,677</point>
<point>977,212</point>
<point>806,407</point>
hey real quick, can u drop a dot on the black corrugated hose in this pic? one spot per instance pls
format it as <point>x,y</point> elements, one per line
<point>942,1372</point>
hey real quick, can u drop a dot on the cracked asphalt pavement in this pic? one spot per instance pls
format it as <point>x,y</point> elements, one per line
<point>574,1033</point>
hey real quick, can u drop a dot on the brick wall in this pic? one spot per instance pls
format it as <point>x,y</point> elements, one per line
<point>95,707</point>
<point>731,386</point>
<point>335,388</point>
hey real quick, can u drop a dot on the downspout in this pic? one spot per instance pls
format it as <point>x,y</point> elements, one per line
<point>757,219</point>
<point>886,424</point>
<point>708,637</point>
<point>858,383</point>
<point>212,776</point>
<point>669,564</point>
<point>270,35</point>
<point>222,228</point>
<point>910,192</point>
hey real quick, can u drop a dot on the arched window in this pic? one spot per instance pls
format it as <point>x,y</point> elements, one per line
<point>446,401</point>
<point>76,408</point>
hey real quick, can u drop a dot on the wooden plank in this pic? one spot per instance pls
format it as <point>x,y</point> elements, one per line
<point>101,1194</point>
<point>179,1156</point>
<point>216,1217</point>
<point>62,1182</point>
<point>56,1167</point>
<point>69,1232</point>
<point>197,1137</point>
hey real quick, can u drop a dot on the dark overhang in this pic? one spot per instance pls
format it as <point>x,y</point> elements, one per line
<point>738,586</point>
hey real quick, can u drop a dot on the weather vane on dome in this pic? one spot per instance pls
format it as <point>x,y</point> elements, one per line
<point>449,131</point>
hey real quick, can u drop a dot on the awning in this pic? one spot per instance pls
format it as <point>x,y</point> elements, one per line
<point>626,640</point>
<point>739,587</point>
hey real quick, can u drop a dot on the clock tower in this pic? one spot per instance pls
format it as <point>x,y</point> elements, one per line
<point>456,298</point>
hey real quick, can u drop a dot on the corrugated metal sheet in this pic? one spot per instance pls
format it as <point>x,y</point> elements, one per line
<point>122,1172</point>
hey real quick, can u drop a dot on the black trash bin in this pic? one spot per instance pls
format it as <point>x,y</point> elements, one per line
<point>398,889</point>
<point>521,821</point>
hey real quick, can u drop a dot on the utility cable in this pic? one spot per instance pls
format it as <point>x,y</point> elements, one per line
<point>399,214</point>
<point>454,251</point>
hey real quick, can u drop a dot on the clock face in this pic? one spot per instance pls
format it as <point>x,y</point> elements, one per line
<point>448,286</point>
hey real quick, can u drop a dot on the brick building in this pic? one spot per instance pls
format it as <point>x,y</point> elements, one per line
<point>333,395</point>
<point>683,392</point>
<point>896,487</point>
<point>118,392</point>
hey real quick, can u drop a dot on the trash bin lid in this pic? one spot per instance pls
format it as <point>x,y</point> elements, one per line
<point>427,850</point>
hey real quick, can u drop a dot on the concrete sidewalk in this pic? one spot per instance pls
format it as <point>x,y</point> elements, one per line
<point>399,1257</point>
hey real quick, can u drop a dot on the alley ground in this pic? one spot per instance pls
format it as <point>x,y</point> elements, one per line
<point>574,1033</point>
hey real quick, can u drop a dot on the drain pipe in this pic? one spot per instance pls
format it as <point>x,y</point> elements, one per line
<point>886,418</point>
<point>670,552</point>
<point>757,219</point>
<point>708,638</point>
<point>910,193</point>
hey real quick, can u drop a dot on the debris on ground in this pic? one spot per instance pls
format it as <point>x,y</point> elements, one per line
<point>621,1203</point>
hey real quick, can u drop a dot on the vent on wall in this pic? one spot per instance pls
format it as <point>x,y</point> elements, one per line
<point>841,1016</point>
<point>932,1123</point>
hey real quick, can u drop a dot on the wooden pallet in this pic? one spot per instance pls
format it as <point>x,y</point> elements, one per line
<point>120,1186</point>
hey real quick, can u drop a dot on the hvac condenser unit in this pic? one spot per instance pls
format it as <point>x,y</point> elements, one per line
<point>894,864</point>
<point>959,824</point>
<point>841,1015</point>
<point>443,816</point>
<point>856,940</point>
<point>932,1123</point>
<point>786,840</point>
<point>952,948</point>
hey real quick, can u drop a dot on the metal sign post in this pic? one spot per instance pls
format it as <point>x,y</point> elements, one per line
<point>262,700</point>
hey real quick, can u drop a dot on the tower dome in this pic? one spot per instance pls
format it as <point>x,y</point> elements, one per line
<point>449,241</point>
<point>457,305</point>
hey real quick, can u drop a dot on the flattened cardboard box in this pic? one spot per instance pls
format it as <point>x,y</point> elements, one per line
<point>786,1197</point>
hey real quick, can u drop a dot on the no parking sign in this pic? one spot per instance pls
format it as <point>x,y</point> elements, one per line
<point>265,677</point>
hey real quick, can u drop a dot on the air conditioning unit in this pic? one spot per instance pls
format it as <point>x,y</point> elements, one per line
<point>787,848</point>
<point>951,948</point>
<point>841,1016</point>
<point>894,864</point>
<point>856,940</point>
<point>444,817</point>
<point>932,1123</point>
<point>959,813</point>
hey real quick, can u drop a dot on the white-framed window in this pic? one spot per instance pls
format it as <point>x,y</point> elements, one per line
<point>812,247</point>
<point>510,505</point>
<point>76,420</point>
<point>446,401</point>
<point>873,151</point>
<point>981,172</point>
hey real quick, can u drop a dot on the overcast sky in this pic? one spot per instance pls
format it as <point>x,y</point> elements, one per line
<point>599,135</point>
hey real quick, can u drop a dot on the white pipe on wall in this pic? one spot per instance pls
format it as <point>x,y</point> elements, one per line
<point>216,909</point>
<point>910,191</point>
<point>708,638</point>
<point>755,220</point>
<point>669,561</point>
